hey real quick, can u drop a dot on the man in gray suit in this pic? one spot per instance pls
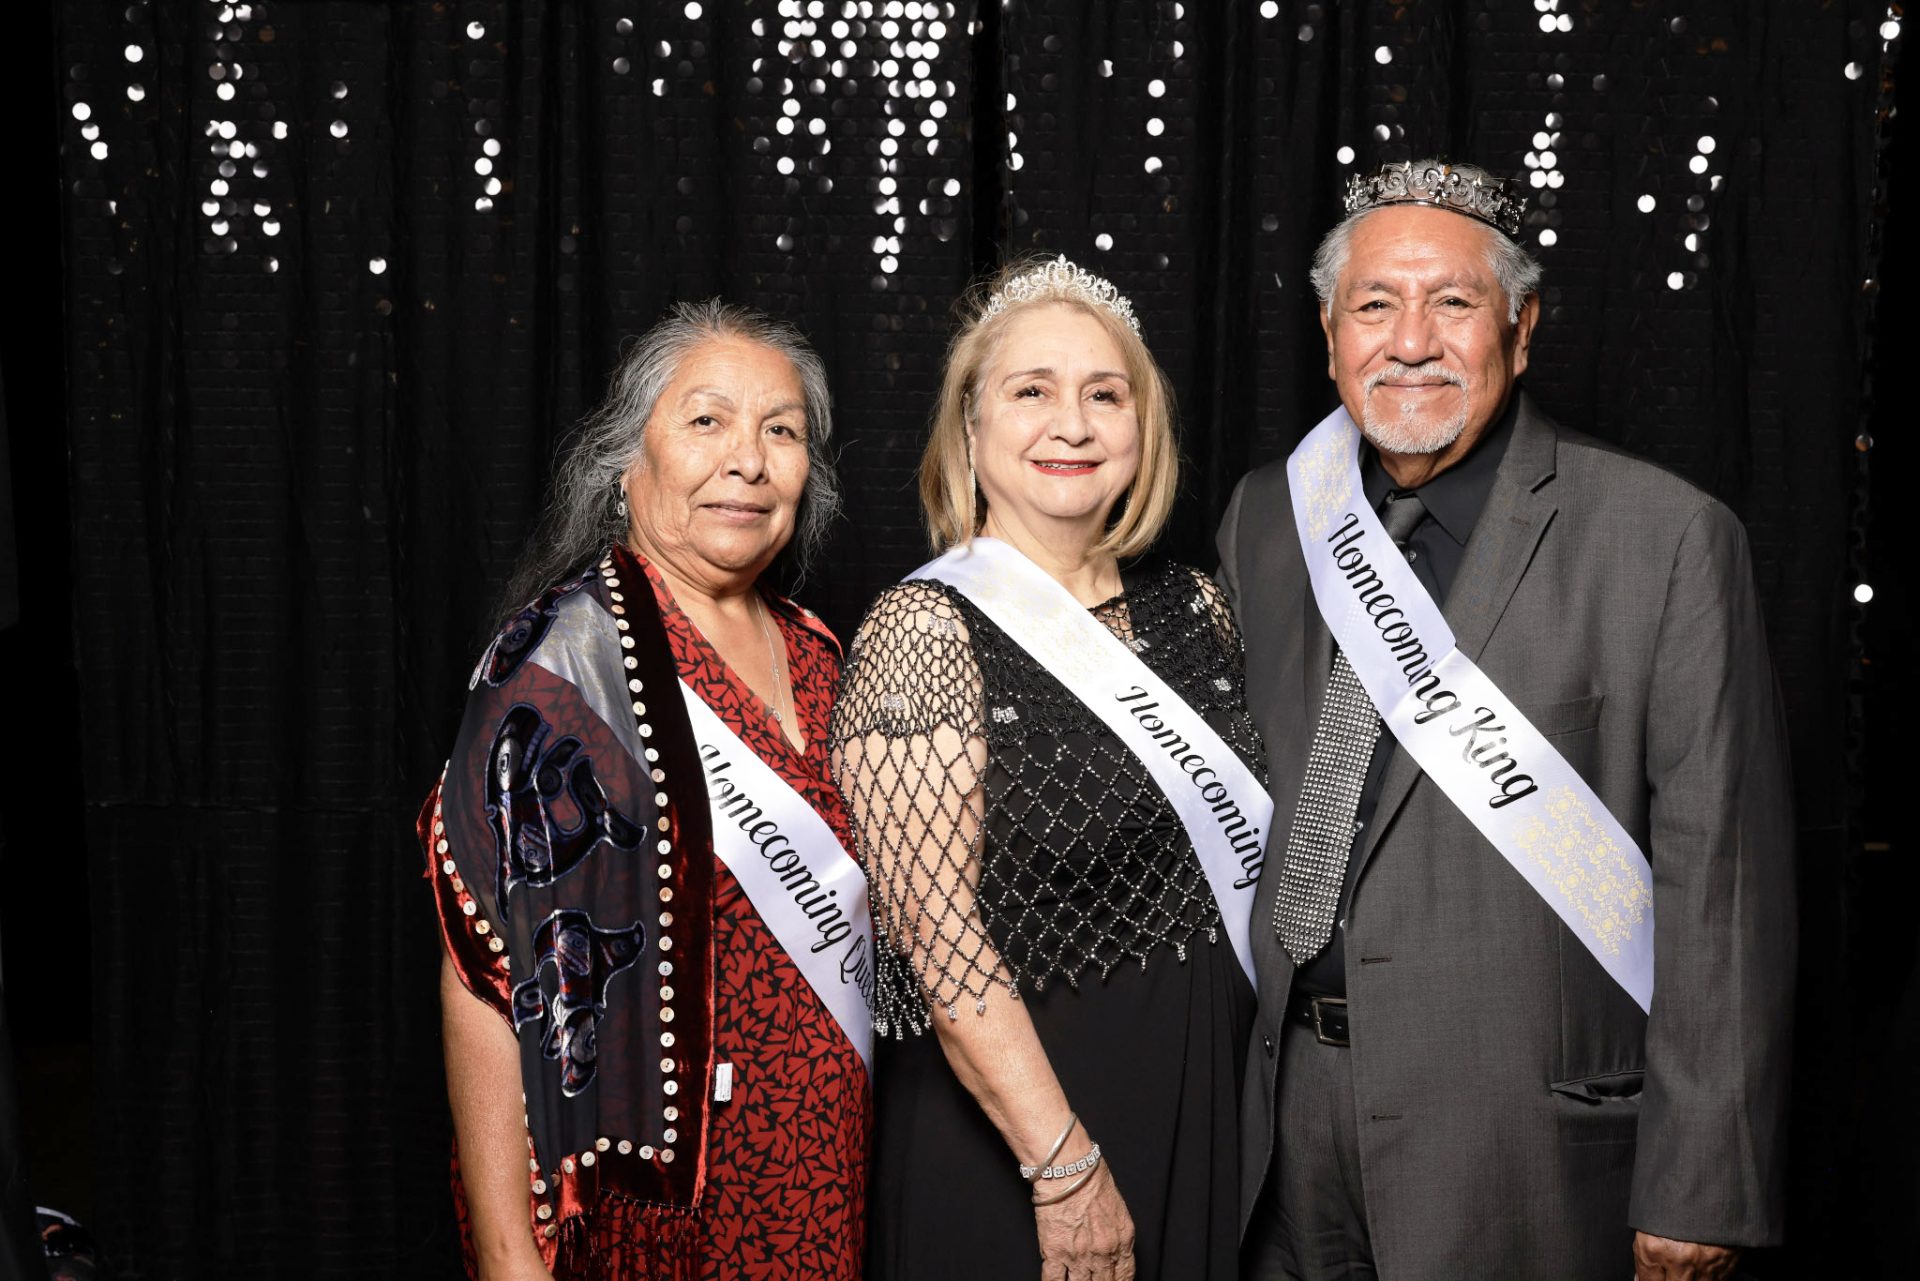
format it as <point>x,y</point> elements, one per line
<point>1447,1080</point>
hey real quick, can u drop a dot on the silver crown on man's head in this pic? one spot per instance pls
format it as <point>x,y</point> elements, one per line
<point>1061,279</point>
<point>1464,189</point>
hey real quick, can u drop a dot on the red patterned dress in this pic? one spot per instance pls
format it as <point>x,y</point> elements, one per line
<point>786,1179</point>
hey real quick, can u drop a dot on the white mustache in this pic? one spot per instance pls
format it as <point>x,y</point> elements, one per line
<point>1402,375</point>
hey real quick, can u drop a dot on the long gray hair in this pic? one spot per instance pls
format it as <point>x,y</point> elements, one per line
<point>581,516</point>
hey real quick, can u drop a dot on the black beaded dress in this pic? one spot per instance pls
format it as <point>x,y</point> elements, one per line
<point>1016,848</point>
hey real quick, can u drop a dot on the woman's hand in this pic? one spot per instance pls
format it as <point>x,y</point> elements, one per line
<point>1088,1236</point>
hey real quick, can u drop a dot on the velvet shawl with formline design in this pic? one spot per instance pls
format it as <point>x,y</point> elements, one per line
<point>570,838</point>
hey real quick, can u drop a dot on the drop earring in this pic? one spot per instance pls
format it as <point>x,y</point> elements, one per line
<point>620,505</point>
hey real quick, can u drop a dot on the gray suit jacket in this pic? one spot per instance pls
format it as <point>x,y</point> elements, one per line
<point>1516,1110</point>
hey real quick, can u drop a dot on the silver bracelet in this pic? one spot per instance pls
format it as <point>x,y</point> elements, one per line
<point>1067,1171</point>
<point>1065,1192</point>
<point>1031,1172</point>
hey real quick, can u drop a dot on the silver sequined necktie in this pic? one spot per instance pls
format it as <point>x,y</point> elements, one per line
<point>1315,867</point>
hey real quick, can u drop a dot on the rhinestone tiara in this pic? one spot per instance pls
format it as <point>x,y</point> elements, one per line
<point>1467,190</point>
<point>1061,279</point>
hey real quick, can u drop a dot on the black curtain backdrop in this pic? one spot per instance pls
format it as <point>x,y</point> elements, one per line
<point>340,274</point>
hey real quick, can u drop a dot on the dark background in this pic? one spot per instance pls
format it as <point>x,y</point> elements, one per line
<point>264,492</point>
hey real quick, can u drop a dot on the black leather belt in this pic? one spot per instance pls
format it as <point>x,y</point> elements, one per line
<point>1325,1015</point>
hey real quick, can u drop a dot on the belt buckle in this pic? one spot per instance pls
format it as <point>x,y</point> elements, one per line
<point>1319,1030</point>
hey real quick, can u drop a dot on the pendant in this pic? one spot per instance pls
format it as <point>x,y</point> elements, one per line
<point>778,719</point>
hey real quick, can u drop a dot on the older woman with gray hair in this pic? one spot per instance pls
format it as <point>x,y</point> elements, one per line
<point>656,943</point>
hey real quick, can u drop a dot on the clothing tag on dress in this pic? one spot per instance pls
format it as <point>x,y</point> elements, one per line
<point>723,1083</point>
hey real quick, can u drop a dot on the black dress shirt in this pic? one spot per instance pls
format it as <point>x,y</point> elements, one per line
<point>1438,544</point>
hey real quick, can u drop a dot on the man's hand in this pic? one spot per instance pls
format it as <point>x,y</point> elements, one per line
<point>1664,1259</point>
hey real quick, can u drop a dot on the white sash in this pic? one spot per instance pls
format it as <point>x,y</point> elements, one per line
<point>1469,737</point>
<point>1223,807</point>
<point>802,882</point>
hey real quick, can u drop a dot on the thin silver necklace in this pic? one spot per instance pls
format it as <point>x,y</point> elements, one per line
<point>773,663</point>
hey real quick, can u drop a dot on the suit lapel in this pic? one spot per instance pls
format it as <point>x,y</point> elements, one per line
<point>1317,646</point>
<point>1316,664</point>
<point>1497,556</point>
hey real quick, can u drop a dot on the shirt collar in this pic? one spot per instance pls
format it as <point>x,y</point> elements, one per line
<point>1456,497</point>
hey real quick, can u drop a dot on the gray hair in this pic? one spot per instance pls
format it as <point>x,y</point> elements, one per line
<point>581,516</point>
<point>1517,270</point>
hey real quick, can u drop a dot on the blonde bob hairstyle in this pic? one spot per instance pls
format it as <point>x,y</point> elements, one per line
<point>953,506</point>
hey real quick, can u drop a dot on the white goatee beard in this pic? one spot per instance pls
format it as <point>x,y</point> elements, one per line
<point>1401,434</point>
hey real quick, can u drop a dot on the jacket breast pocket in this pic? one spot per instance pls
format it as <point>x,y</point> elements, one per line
<point>1572,729</point>
<point>1570,717</point>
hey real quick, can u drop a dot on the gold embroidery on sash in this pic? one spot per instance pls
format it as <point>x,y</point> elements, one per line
<point>1327,474</point>
<point>1593,874</point>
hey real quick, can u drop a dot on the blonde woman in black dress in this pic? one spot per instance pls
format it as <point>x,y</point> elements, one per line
<point>1042,907</point>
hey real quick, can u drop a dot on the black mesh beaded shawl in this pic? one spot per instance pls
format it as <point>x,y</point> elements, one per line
<point>1009,837</point>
